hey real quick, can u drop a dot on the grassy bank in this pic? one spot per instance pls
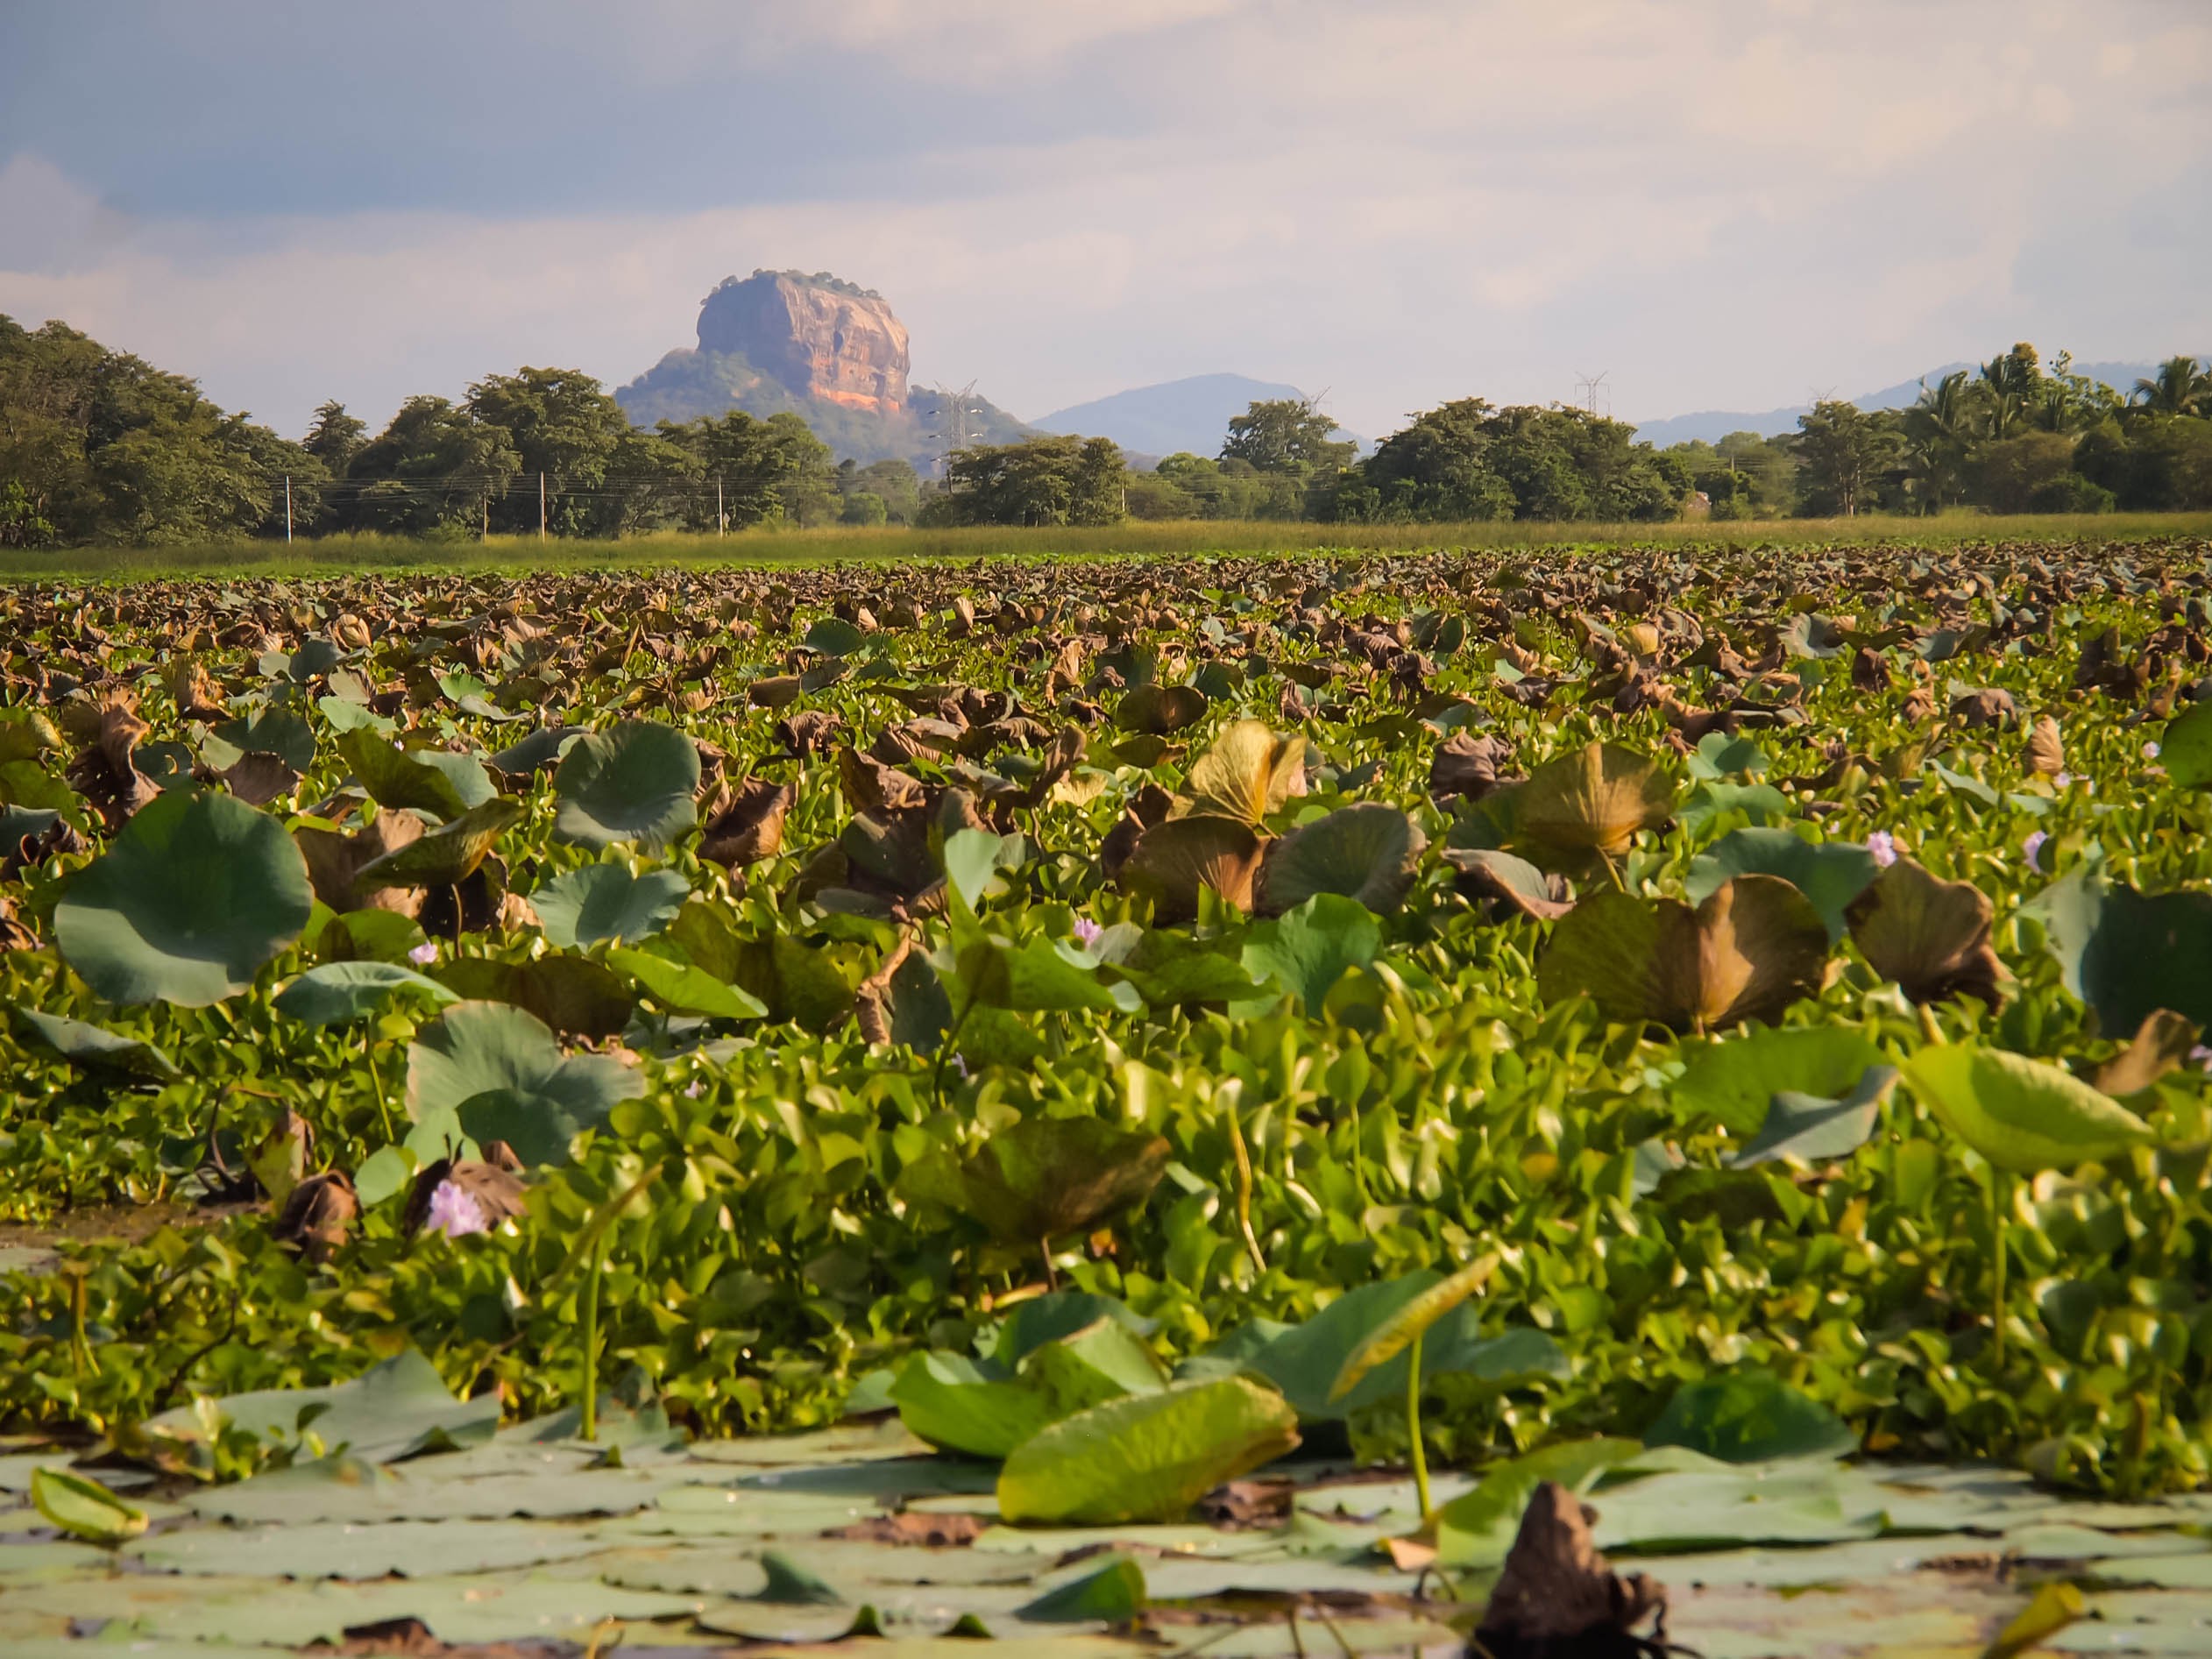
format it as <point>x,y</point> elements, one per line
<point>336,554</point>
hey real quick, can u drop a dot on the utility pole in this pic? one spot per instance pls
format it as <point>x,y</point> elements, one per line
<point>541,506</point>
<point>721,516</point>
<point>287,509</point>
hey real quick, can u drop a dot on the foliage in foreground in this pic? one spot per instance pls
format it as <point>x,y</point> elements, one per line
<point>1218,938</point>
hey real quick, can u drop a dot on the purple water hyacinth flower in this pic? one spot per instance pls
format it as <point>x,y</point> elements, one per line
<point>2034,848</point>
<point>2062,780</point>
<point>423,954</point>
<point>455,1212</point>
<point>2149,751</point>
<point>1088,932</point>
<point>1883,846</point>
<point>2203,1056</point>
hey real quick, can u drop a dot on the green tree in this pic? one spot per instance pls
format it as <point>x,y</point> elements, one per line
<point>1940,429</point>
<point>563,426</point>
<point>1843,452</point>
<point>2015,386</point>
<point>435,470</point>
<point>1285,435</point>
<point>1040,481</point>
<point>2008,474</point>
<point>335,436</point>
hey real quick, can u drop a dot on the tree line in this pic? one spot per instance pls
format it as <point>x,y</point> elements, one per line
<point>97,446</point>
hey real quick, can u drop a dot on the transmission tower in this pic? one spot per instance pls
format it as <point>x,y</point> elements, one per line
<point>953,428</point>
<point>1590,387</point>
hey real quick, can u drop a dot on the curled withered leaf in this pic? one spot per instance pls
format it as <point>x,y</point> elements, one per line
<point>1173,863</point>
<point>1059,762</point>
<point>870,786</point>
<point>1754,947</point>
<point>747,824</point>
<point>1558,1595</point>
<point>335,859</point>
<point>318,1215</point>
<point>14,936</point>
<point>1589,802</point>
<point>447,854</point>
<point>1466,764</point>
<point>2047,748</point>
<point>1869,671</point>
<point>1514,886</point>
<point>2162,1042</point>
<point>1929,935</point>
<point>58,838</point>
<point>1160,709</point>
<point>107,772</point>
<point>258,778</point>
<point>777,690</point>
<point>808,733</point>
<point>1985,708</point>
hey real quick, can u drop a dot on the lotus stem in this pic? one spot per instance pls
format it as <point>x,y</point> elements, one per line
<point>1998,1183</point>
<point>1244,1191</point>
<point>1413,1428</point>
<point>588,1427</point>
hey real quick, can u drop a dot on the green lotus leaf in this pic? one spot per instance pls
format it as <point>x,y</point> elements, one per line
<point>436,781</point>
<point>1831,874</point>
<point>395,1408</point>
<point>1307,950</point>
<point>274,731</point>
<point>500,1070</point>
<point>1720,756</point>
<point>1477,1529</point>
<point>1750,1417</point>
<point>2020,1114</point>
<point>1812,1129</point>
<point>835,636</point>
<point>1367,851</point>
<point>985,1409</point>
<point>2185,747</point>
<point>1754,947</point>
<point>94,1047</point>
<point>540,749</point>
<point>2148,951</point>
<point>1735,1079</point>
<point>683,989</point>
<point>1115,1593</point>
<point>602,902</point>
<point>1516,886</point>
<point>334,993</point>
<point>445,857</point>
<point>1144,1456</point>
<point>195,894</point>
<point>634,781</point>
<point>1396,1335</point>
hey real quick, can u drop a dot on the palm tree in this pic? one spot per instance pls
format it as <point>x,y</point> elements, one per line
<point>2180,387</point>
<point>1940,427</point>
<point>2012,380</point>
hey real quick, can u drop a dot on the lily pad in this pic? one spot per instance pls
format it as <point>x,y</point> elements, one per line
<point>1750,1417</point>
<point>337,992</point>
<point>94,1047</point>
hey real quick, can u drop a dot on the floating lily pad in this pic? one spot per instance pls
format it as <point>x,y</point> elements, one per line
<point>632,782</point>
<point>600,902</point>
<point>500,1071</point>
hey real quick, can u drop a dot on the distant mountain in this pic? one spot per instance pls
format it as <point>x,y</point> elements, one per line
<point>819,347</point>
<point>1713,425</point>
<point>1174,416</point>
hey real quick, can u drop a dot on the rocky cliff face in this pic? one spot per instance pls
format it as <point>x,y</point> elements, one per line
<point>819,338</point>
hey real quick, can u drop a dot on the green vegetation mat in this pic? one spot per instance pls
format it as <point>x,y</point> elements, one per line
<point>1144,1105</point>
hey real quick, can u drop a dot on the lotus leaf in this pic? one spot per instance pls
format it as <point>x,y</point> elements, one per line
<point>1247,774</point>
<point>1931,936</point>
<point>447,856</point>
<point>1176,861</point>
<point>600,902</point>
<point>1367,851</point>
<point>500,1070</point>
<point>195,895</point>
<point>634,781</point>
<point>2020,1114</point>
<point>1831,874</point>
<point>1588,804</point>
<point>1146,1456</point>
<point>1754,947</point>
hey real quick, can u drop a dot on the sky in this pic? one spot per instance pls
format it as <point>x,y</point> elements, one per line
<point>1716,204</point>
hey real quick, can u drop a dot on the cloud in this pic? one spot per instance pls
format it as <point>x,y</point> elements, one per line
<point>1404,202</point>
